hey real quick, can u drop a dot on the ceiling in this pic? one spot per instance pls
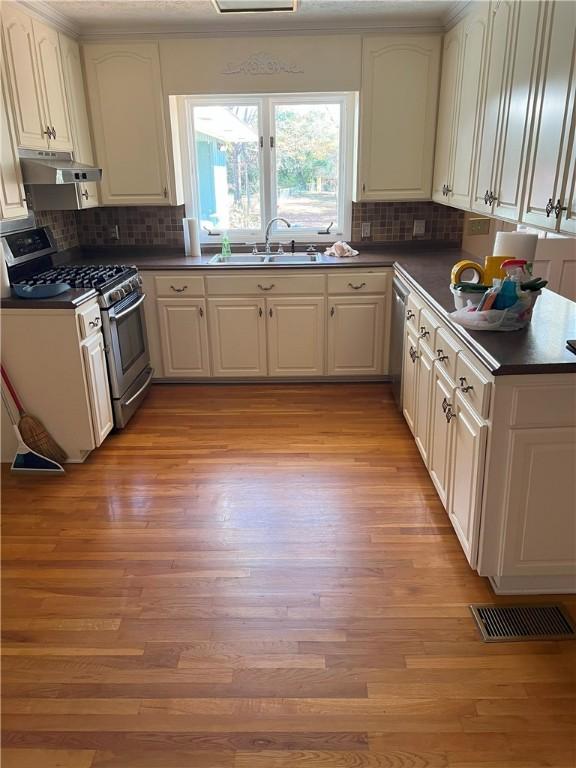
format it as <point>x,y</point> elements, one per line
<point>200,17</point>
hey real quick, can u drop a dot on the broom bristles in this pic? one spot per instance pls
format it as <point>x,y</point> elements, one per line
<point>36,437</point>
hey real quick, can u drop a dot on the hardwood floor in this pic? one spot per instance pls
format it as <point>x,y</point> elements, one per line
<point>260,577</point>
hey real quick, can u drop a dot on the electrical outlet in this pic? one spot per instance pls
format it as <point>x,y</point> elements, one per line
<point>366,230</point>
<point>479,225</point>
<point>115,232</point>
<point>419,227</point>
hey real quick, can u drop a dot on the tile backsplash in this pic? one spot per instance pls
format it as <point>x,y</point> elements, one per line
<point>395,221</point>
<point>162,225</point>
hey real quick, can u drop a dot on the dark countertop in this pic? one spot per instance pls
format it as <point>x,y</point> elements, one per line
<point>539,348</point>
<point>68,300</point>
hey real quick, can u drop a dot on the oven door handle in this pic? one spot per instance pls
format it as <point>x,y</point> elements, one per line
<point>142,388</point>
<point>129,309</point>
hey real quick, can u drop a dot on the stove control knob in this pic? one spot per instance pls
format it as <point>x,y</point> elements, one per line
<point>135,283</point>
<point>116,295</point>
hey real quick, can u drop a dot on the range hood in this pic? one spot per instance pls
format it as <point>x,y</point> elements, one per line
<point>44,167</point>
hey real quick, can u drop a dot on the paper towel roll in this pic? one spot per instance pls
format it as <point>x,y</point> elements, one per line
<point>191,237</point>
<point>4,279</point>
<point>516,245</point>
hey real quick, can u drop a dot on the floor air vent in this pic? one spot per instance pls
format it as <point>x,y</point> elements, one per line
<point>523,622</point>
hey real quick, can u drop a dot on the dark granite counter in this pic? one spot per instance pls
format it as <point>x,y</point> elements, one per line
<point>68,300</point>
<point>539,348</point>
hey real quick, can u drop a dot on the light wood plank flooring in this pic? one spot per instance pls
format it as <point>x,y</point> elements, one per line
<point>260,577</point>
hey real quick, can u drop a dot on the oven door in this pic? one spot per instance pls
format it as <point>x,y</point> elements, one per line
<point>124,329</point>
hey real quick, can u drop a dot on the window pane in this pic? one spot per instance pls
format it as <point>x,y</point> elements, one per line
<point>228,166</point>
<point>307,163</point>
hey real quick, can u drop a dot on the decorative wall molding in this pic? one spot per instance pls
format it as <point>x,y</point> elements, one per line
<point>262,64</point>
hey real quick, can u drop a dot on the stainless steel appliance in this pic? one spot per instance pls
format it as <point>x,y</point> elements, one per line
<point>30,256</point>
<point>400,294</point>
<point>44,167</point>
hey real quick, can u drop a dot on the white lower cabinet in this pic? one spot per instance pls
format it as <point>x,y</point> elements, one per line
<point>295,333</point>
<point>467,475</point>
<point>184,337</point>
<point>238,336</point>
<point>356,328</point>
<point>422,390</point>
<point>98,387</point>
<point>440,433</point>
<point>500,451</point>
<point>409,379</point>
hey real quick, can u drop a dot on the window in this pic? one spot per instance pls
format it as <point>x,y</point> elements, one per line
<point>252,159</point>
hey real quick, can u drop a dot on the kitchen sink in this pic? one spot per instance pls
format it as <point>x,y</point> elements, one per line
<point>299,257</point>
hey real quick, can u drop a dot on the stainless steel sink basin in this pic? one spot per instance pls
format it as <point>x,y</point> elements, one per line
<point>240,259</point>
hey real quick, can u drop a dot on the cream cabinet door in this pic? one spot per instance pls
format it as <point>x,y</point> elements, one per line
<point>238,337</point>
<point>447,107</point>
<point>423,394</point>
<point>468,454</point>
<point>552,137</point>
<point>74,81</point>
<point>20,53</point>
<point>567,220</point>
<point>398,103</point>
<point>125,94</point>
<point>98,387</point>
<point>52,85</point>
<point>514,129</point>
<point>295,330</point>
<point>492,109</point>
<point>409,379</point>
<point>356,335</point>
<point>440,434</point>
<point>474,31</point>
<point>183,337</point>
<point>12,197</point>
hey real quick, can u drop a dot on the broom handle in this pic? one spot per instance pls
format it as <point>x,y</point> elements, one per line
<point>12,391</point>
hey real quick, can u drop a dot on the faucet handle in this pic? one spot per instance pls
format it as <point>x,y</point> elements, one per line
<point>311,248</point>
<point>254,245</point>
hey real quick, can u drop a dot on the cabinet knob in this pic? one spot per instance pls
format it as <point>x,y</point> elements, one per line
<point>201,312</point>
<point>450,414</point>
<point>413,354</point>
<point>48,132</point>
<point>332,311</point>
<point>53,132</point>
<point>85,194</point>
<point>260,313</point>
<point>486,197</point>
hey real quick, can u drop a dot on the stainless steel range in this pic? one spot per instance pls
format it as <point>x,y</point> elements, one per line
<point>31,257</point>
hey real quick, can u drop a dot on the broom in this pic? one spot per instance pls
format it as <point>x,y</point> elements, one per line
<point>33,431</point>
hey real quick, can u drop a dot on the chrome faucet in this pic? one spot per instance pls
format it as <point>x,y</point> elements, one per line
<point>267,250</point>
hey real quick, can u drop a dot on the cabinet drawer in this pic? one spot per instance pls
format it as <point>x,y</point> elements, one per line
<point>474,388</point>
<point>413,307</point>
<point>90,321</point>
<point>427,326</point>
<point>358,282</point>
<point>446,349</point>
<point>179,285</point>
<point>264,284</point>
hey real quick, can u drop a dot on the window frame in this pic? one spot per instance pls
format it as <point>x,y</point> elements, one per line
<point>266,103</point>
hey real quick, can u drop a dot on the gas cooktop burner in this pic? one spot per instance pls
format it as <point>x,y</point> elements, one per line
<point>88,276</point>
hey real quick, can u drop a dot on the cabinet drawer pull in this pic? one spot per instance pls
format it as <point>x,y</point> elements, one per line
<point>260,313</point>
<point>48,132</point>
<point>410,315</point>
<point>165,191</point>
<point>413,354</point>
<point>94,323</point>
<point>201,312</point>
<point>445,405</point>
<point>179,290</point>
<point>441,356</point>
<point>266,287</point>
<point>487,197</point>
<point>53,132</point>
<point>423,332</point>
<point>464,387</point>
<point>270,312</point>
<point>332,311</point>
<point>450,414</point>
<point>357,287</point>
<point>85,194</point>
<point>549,207</point>
<point>492,198</point>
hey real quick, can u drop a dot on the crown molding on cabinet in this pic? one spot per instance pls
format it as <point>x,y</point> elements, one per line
<point>456,12</point>
<point>45,12</point>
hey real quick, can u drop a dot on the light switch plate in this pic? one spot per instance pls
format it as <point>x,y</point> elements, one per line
<point>366,230</point>
<point>419,227</point>
<point>479,225</point>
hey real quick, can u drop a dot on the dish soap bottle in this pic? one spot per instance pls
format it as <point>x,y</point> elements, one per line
<point>226,250</point>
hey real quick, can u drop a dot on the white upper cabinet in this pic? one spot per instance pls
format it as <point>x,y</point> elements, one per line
<point>446,112</point>
<point>52,85</point>
<point>31,126</point>
<point>474,31</point>
<point>12,199</point>
<point>125,95</point>
<point>72,64</point>
<point>552,133</point>
<point>398,106</point>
